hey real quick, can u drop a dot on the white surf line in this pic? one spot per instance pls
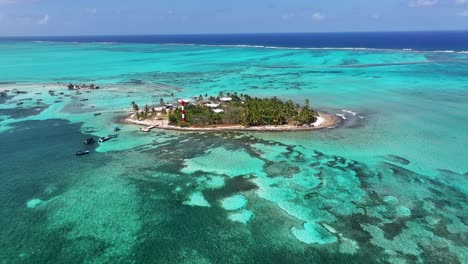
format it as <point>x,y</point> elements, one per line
<point>342,116</point>
<point>320,120</point>
<point>349,112</point>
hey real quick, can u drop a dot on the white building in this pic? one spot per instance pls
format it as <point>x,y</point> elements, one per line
<point>212,105</point>
<point>226,99</point>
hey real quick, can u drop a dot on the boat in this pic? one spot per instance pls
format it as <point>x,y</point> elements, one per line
<point>82,152</point>
<point>116,129</point>
<point>84,99</point>
<point>89,141</point>
<point>96,114</point>
<point>148,129</point>
<point>103,139</point>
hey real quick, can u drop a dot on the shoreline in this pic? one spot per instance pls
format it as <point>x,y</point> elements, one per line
<point>324,120</point>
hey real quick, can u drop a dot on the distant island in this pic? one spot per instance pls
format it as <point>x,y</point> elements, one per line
<point>229,112</point>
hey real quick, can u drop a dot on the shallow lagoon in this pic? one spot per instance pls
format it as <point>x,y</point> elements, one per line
<point>389,183</point>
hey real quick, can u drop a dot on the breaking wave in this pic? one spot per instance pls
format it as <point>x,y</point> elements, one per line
<point>310,48</point>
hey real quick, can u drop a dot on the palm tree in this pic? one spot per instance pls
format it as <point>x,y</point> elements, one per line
<point>146,111</point>
<point>134,107</point>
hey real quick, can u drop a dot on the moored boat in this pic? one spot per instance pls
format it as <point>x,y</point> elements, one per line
<point>89,141</point>
<point>148,129</point>
<point>103,139</point>
<point>82,152</point>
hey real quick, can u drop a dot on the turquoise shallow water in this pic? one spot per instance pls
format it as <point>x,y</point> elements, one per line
<point>387,186</point>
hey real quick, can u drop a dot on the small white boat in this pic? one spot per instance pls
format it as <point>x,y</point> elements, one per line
<point>148,129</point>
<point>103,139</point>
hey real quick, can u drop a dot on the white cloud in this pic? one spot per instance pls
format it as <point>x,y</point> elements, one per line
<point>290,15</point>
<point>24,20</point>
<point>286,16</point>
<point>44,20</point>
<point>91,11</point>
<point>11,2</point>
<point>464,13</point>
<point>317,16</point>
<point>461,2</point>
<point>6,2</point>
<point>422,3</point>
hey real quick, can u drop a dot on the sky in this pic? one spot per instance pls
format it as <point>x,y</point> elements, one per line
<point>125,17</point>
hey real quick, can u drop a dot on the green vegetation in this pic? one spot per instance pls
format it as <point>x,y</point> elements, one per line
<point>146,113</point>
<point>196,115</point>
<point>247,111</point>
<point>241,110</point>
<point>269,111</point>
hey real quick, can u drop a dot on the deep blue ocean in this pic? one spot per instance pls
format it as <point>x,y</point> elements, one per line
<point>427,40</point>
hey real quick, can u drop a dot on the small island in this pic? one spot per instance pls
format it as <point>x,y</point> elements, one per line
<point>230,112</point>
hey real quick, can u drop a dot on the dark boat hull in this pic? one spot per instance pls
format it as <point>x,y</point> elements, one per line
<point>81,153</point>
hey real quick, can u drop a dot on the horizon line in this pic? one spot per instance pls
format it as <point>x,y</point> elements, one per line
<point>239,33</point>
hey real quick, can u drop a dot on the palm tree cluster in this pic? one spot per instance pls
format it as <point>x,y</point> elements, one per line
<point>146,113</point>
<point>196,115</point>
<point>268,111</point>
<point>273,111</point>
<point>247,111</point>
<point>306,115</point>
